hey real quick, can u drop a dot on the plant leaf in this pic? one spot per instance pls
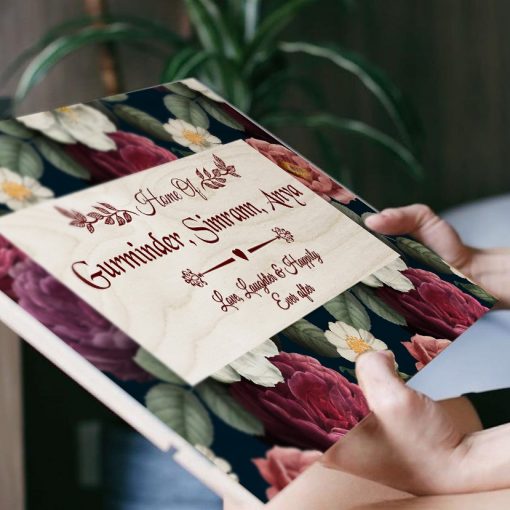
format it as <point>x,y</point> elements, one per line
<point>20,157</point>
<point>311,337</point>
<point>182,65</point>
<point>219,401</point>
<point>251,18</point>
<point>217,113</point>
<point>478,292</point>
<point>143,121</point>
<point>185,109</point>
<point>182,412</point>
<point>356,128</point>
<point>14,128</point>
<point>346,308</point>
<point>60,159</point>
<point>369,298</point>
<point>55,50</point>
<point>210,27</point>
<point>374,79</point>
<point>271,26</point>
<point>422,254</point>
<point>154,367</point>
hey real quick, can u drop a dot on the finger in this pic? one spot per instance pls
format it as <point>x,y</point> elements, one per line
<point>419,221</point>
<point>375,371</point>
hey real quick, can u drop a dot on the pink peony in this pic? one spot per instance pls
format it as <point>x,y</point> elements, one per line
<point>75,322</point>
<point>133,154</point>
<point>311,409</point>
<point>304,171</point>
<point>283,465</point>
<point>425,348</point>
<point>9,255</point>
<point>435,307</point>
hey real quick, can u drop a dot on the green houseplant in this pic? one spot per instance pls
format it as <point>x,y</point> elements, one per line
<point>236,48</point>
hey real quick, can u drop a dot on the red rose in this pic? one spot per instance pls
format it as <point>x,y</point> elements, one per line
<point>9,256</point>
<point>304,171</point>
<point>311,409</point>
<point>133,154</point>
<point>434,307</point>
<point>425,348</point>
<point>75,322</point>
<point>283,465</point>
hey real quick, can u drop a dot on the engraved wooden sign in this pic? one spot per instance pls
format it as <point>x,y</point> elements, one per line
<point>201,259</point>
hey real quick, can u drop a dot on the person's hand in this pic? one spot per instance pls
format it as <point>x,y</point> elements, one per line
<point>414,444</point>
<point>490,268</point>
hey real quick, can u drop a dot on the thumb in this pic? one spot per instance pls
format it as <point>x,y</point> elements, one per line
<point>421,222</point>
<point>378,379</point>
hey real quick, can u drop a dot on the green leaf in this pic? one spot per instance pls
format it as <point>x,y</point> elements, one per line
<point>14,128</point>
<point>181,90</point>
<point>154,367</point>
<point>142,121</point>
<point>217,113</point>
<point>60,159</point>
<point>369,298</point>
<point>311,337</point>
<point>271,26</point>
<point>116,98</point>
<point>348,371</point>
<point>185,109</point>
<point>346,308</point>
<point>356,128</point>
<point>374,79</point>
<point>184,64</point>
<point>251,18</point>
<point>56,50</point>
<point>422,254</point>
<point>182,412</point>
<point>350,214</point>
<point>209,24</point>
<point>478,292</point>
<point>20,157</point>
<point>219,401</point>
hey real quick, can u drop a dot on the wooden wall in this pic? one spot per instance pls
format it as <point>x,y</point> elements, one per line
<point>451,57</point>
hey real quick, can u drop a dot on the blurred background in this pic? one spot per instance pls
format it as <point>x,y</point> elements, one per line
<point>403,100</point>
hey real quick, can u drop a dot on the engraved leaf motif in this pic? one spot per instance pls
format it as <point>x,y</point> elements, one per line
<point>108,206</point>
<point>101,209</point>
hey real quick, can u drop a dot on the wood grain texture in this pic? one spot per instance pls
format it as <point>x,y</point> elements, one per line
<point>186,325</point>
<point>11,425</point>
<point>452,59</point>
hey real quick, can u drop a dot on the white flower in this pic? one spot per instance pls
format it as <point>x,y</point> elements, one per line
<point>76,123</point>
<point>351,342</point>
<point>253,366</point>
<point>18,191</point>
<point>188,135</point>
<point>198,86</point>
<point>220,463</point>
<point>391,276</point>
